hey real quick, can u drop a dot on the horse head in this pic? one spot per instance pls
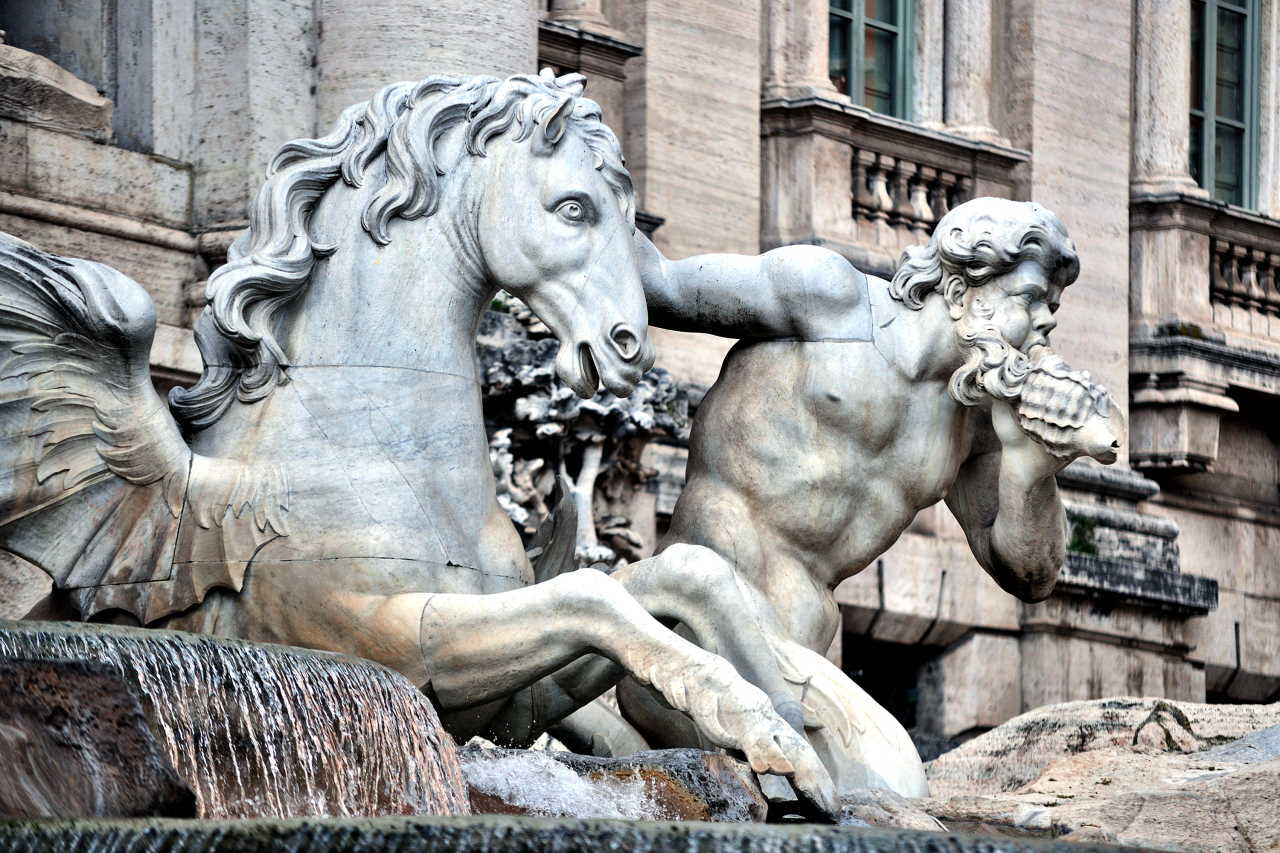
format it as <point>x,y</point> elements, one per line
<point>555,229</point>
<point>537,202</point>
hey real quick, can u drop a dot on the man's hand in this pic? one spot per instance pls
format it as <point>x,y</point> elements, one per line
<point>1020,452</point>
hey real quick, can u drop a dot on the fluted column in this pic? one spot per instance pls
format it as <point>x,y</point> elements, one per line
<point>967,80</point>
<point>1161,96</point>
<point>795,60</point>
<point>363,47</point>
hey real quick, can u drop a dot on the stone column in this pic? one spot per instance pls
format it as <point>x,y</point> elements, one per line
<point>364,47</point>
<point>969,54</point>
<point>1269,112</point>
<point>927,63</point>
<point>583,14</point>
<point>252,95</point>
<point>795,48</point>
<point>1161,97</point>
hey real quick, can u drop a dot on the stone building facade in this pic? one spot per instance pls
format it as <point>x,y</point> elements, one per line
<point>134,131</point>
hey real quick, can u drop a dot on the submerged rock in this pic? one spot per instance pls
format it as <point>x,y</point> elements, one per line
<point>258,730</point>
<point>668,784</point>
<point>74,743</point>
<point>885,809</point>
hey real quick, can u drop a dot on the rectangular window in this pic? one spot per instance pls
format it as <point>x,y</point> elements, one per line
<point>870,53</point>
<point>1224,98</point>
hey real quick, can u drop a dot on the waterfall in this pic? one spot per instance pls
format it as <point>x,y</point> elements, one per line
<point>271,731</point>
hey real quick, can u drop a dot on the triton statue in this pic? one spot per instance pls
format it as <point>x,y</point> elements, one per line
<point>808,458</point>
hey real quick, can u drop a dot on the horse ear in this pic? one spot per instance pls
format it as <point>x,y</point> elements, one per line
<point>554,124</point>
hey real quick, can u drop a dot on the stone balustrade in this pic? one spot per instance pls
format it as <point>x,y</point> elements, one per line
<point>1243,288</point>
<point>898,201</point>
<point>1205,324</point>
<point>901,178</point>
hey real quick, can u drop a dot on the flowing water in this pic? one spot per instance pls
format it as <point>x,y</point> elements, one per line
<point>496,834</point>
<point>271,731</point>
<point>540,785</point>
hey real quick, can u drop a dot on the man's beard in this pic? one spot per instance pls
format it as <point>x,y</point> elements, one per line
<point>1062,409</point>
<point>993,367</point>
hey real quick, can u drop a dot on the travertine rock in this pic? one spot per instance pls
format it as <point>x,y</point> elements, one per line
<point>538,429</point>
<point>1147,794</point>
<point>74,743</point>
<point>671,784</point>
<point>1018,752</point>
<point>878,807</point>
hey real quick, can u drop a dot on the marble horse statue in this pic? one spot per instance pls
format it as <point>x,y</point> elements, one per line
<point>326,482</point>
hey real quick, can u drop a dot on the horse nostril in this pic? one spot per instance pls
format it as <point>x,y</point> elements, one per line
<point>625,341</point>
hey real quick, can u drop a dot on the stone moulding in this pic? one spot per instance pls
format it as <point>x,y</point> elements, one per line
<point>582,50</point>
<point>40,92</point>
<point>1126,583</point>
<point>1113,482</point>
<point>96,221</point>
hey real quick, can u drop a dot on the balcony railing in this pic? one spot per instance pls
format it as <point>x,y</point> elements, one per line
<point>1243,288</point>
<point>1205,323</point>
<point>896,201</point>
<point>868,185</point>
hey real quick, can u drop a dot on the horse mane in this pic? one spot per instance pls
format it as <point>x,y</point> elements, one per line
<point>270,265</point>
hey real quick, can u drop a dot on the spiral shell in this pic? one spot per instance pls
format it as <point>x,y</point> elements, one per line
<point>1057,402</point>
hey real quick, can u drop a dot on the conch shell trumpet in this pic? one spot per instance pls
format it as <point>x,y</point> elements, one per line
<point>1068,413</point>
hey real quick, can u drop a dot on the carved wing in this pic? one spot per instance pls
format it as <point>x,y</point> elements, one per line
<point>96,480</point>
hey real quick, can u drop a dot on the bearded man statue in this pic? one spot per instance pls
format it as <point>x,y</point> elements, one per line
<point>809,457</point>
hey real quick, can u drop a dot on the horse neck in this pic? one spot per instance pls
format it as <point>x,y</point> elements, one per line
<point>414,304</point>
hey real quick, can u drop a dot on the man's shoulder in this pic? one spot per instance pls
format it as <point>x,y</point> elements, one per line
<point>830,296</point>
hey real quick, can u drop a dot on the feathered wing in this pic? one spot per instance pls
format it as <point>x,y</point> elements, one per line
<point>97,485</point>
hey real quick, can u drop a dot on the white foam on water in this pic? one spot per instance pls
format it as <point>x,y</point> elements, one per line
<point>538,783</point>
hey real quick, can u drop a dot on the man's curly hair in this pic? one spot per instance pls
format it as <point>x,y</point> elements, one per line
<point>979,240</point>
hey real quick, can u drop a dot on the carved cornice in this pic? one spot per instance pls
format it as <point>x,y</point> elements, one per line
<point>1121,583</point>
<point>649,222</point>
<point>1227,364</point>
<point>591,53</point>
<point>863,128</point>
<point>1084,475</point>
<point>1207,216</point>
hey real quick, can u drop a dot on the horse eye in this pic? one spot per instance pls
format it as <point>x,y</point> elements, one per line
<point>573,211</point>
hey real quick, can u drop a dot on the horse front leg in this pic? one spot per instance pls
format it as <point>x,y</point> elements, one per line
<point>704,593</point>
<point>479,648</point>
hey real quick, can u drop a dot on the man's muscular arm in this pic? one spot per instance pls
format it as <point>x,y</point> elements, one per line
<point>795,292</point>
<point>1006,499</point>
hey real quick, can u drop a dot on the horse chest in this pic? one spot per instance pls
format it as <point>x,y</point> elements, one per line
<point>380,462</point>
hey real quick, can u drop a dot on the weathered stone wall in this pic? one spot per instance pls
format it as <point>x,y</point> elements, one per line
<point>693,141</point>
